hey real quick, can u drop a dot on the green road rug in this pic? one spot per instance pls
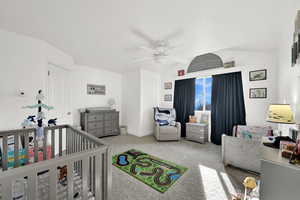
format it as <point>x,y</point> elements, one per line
<point>155,172</point>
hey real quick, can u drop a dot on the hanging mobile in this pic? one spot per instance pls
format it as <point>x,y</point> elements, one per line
<point>40,115</point>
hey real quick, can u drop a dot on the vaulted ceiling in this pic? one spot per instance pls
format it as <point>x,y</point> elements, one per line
<point>98,33</point>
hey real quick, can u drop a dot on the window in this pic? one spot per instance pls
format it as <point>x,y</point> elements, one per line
<point>203,94</point>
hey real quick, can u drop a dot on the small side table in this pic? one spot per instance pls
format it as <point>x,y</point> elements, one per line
<point>197,132</point>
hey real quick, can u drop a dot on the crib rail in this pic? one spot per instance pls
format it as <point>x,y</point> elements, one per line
<point>85,158</point>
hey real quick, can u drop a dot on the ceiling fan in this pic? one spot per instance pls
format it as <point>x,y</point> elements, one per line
<point>158,49</point>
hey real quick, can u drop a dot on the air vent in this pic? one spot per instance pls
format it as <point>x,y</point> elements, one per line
<point>205,62</point>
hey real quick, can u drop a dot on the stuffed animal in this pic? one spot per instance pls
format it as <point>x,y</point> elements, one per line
<point>192,119</point>
<point>29,122</point>
<point>237,197</point>
<point>52,122</point>
<point>298,146</point>
<point>62,176</point>
<point>31,118</point>
<point>250,184</point>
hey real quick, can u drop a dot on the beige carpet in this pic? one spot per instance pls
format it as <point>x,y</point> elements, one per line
<point>206,178</point>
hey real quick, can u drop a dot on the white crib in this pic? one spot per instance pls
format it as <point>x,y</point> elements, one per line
<point>65,163</point>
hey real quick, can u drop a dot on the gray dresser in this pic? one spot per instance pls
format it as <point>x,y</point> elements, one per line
<point>197,132</point>
<point>100,123</point>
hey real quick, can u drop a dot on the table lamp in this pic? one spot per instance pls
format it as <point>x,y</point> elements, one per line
<point>280,114</point>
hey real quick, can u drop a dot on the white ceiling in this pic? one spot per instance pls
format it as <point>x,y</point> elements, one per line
<point>98,33</point>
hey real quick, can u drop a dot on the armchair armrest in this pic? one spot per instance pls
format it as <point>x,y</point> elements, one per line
<point>178,124</point>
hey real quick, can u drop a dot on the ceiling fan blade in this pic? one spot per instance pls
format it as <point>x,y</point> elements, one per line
<point>178,60</point>
<point>139,48</point>
<point>142,59</point>
<point>132,49</point>
<point>171,47</point>
<point>179,32</point>
<point>142,35</point>
<point>146,48</point>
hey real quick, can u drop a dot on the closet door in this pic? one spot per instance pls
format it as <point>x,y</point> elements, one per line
<point>58,94</point>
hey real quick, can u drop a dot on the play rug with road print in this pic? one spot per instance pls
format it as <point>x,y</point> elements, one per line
<point>155,172</point>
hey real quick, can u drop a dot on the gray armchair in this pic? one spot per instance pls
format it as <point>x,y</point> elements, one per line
<point>166,128</point>
<point>167,133</point>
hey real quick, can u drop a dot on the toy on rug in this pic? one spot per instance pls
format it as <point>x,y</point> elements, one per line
<point>250,184</point>
<point>238,196</point>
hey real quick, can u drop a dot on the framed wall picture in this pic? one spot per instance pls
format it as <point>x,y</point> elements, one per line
<point>258,93</point>
<point>295,53</point>
<point>181,72</point>
<point>168,97</point>
<point>168,85</point>
<point>96,89</point>
<point>258,75</point>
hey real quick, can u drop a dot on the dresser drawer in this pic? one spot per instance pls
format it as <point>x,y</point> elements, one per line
<point>108,131</point>
<point>108,116</point>
<point>94,117</point>
<point>94,125</point>
<point>193,128</point>
<point>108,124</point>
<point>93,132</point>
<point>196,132</point>
<point>115,116</point>
<point>197,138</point>
<point>97,132</point>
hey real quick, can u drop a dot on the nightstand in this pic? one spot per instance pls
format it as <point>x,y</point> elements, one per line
<point>197,132</point>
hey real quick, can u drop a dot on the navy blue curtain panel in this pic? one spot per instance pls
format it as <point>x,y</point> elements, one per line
<point>228,106</point>
<point>184,101</point>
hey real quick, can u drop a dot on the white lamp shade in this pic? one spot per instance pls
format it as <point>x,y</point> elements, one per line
<point>280,113</point>
<point>111,102</point>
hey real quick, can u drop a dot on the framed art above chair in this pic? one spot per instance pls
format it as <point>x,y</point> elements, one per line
<point>258,75</point>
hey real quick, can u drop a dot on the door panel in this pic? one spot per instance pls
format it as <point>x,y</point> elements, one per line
<point>58,94</point>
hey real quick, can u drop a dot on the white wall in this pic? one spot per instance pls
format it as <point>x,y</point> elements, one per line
<point>150,82</point>
<point>289,77</point>
<point>140,95</point>
<point>131,90</point>
<point>246,61</point>
<point>23,65</point>
<point>23,62</point>
<point>83,75</point>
